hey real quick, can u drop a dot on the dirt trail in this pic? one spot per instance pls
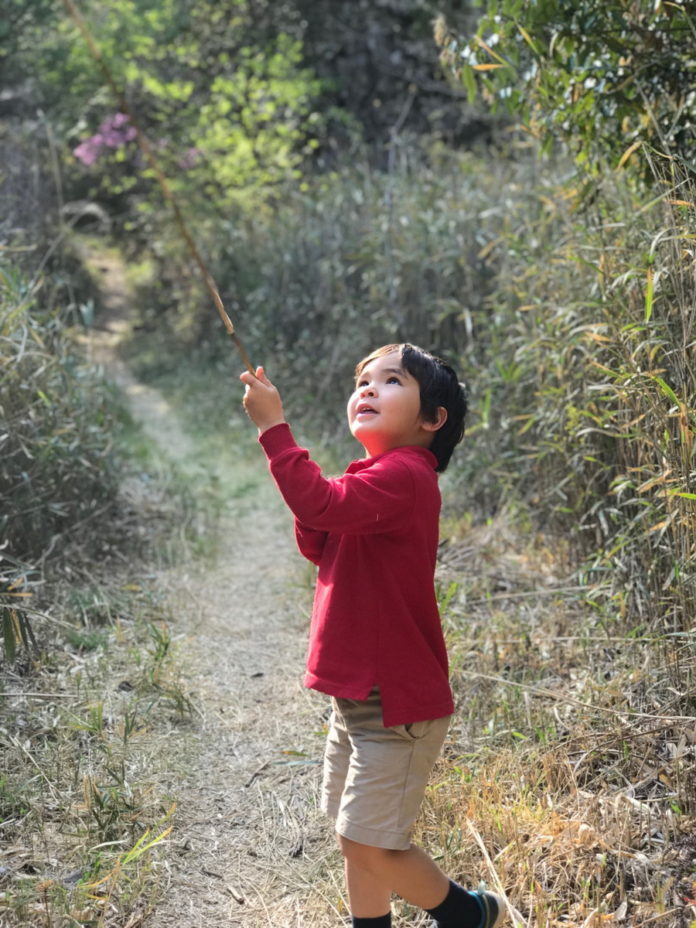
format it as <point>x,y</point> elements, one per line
<point>249,846</point>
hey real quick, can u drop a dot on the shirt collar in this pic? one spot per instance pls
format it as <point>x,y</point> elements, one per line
<point>417,450</point>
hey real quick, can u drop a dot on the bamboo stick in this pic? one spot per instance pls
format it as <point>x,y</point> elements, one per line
<point>149,155</point>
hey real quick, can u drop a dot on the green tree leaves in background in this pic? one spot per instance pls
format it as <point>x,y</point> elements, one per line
<point>219,88</point>
<point>604,76</point>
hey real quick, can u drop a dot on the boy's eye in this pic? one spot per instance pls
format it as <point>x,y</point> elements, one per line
<point>393,380</point>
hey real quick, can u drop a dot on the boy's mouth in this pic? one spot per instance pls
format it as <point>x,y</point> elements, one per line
<point>365,408</point>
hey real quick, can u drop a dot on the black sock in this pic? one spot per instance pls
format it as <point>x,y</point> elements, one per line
<point>383,921</point>
<point>461,909</point>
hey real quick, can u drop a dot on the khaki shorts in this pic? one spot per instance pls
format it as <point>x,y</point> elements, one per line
<point>375,777</point>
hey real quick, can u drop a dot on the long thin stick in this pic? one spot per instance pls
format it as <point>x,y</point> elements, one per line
<point>147,151</point>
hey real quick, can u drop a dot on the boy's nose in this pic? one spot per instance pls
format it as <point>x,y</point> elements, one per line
<point>367,390</point>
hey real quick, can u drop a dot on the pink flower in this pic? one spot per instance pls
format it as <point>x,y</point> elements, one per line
<point>114,132</point>
<point>88,151</point>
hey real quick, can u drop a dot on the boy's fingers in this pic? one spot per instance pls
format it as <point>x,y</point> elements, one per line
<point>250,379</point>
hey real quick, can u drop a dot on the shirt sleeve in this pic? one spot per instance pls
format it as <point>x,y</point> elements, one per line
<point>310,541</point>
<point>379,498</point>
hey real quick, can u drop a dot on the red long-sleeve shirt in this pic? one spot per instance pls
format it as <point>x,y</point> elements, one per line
<point>373,532</point>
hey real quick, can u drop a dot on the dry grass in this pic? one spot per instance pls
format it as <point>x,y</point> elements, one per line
<point>568,782</point>
<point>564,783</point>
<point>85,786</point>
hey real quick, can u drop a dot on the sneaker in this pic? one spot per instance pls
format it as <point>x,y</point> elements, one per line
<point>492,908</point>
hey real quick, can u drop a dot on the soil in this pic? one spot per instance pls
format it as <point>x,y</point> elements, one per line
<point>249,846</point>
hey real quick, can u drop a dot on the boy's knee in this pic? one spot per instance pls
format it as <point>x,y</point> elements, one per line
<point>364,855</point>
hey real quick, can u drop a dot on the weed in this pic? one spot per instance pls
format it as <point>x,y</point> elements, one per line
<point>86,639</point>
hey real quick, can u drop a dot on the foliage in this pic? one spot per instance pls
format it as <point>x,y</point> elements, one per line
<point>605,76</point>
<point>226,103</point>
<point>600,389</point>
<point>21,19</point>
<point>56,471</point>
<point>358,258</point>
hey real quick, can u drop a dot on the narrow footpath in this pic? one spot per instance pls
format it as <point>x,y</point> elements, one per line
<point>249,846</point>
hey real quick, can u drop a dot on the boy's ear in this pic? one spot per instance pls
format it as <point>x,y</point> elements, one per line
<point>436,423</point>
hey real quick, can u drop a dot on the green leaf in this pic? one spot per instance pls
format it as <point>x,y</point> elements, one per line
<point>8,634</point>
<point>667,390</point>
<point>469,82</point>
<point>649,296</point>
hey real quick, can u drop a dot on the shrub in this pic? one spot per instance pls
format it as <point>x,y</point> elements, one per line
<point>56,470</point>
<point>599,309</point>
<point>361,258</point>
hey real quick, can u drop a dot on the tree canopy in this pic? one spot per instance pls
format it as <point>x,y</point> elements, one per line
<point>606,77</point>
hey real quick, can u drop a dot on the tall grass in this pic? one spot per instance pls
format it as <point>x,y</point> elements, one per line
<point>601,322</point>
<point>56,471</point>
<point>353,259</point>
<point>81,797</point>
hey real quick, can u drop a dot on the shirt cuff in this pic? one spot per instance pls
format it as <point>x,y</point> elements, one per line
<point>277,439</point>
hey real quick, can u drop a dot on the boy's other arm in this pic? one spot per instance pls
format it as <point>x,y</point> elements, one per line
<point>262,400</point>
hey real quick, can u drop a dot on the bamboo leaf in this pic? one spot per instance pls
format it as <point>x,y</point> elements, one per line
<point>139,848</point>
<point>8,634</point>
<point>493,54</point>
<point>649,292</point>
<point>528,39</point>
<point>627,154</point>
<point>667,390</point>
<point>469,81</point>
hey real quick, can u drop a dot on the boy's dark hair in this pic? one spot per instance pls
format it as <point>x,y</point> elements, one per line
<point>439,386</point>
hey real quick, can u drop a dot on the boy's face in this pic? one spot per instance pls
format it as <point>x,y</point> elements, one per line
<point>384,410</point>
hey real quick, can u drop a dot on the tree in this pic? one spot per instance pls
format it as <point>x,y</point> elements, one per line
<point>605,77</point>
<point>219,87</point>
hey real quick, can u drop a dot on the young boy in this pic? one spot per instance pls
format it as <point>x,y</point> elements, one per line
<point>376,644</point>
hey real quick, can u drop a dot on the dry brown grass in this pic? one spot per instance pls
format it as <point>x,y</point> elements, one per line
<point>569,780</point>
<point>85,784</point>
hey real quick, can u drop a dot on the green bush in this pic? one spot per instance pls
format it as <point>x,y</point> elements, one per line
<point>56,468</point>
<point>604,77</point>
<point>600,387</point>
<point>360,258</point>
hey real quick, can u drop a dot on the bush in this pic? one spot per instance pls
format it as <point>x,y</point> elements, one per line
<point>601,388</point>
<point>361,258</point>
<point>56,470</point>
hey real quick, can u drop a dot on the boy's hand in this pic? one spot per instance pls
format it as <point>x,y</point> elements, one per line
<point>261,400</point>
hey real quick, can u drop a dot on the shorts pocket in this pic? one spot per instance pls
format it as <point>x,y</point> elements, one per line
<point>413,731</point>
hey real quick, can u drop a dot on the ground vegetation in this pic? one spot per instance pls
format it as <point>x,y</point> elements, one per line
<point>510,185</point>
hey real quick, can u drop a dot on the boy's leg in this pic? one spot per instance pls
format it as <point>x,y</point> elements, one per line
<point>368,896</point>
<point>374,873</point>
<point>374,784</point>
